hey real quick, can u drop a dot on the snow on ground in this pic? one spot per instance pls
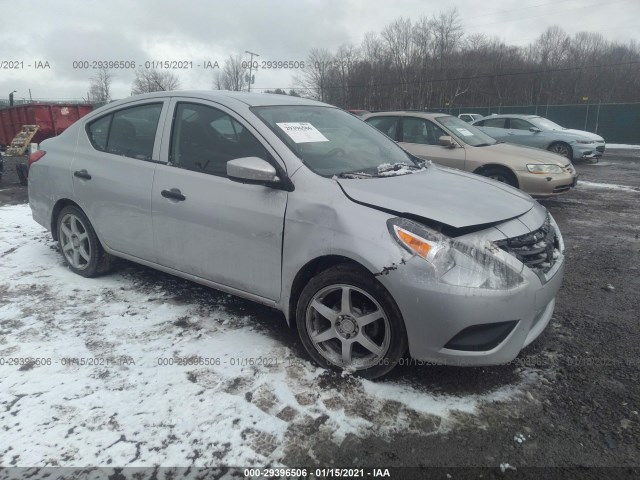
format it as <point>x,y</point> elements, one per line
<point>135,409</point>
<point>607,186</point>
<point>623,146</point>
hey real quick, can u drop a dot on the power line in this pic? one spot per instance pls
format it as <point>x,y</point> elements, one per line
<point>470,77</point>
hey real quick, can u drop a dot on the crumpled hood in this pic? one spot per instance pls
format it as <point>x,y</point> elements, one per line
<point>447,196</point>
<point>521,152</point>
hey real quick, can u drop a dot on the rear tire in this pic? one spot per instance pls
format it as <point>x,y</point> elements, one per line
<point>561,148</point>
<point>79,244</point>
<point>347,320</point>
<point>500,174</point>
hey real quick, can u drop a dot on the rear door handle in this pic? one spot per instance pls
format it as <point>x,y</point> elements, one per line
<point>82,174</point>
<point>173,194</point>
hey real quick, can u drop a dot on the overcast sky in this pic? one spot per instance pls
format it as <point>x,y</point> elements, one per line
<point>63,31</point>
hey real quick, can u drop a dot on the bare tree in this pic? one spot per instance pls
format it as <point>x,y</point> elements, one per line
<point>232,76</point>
<point>148,80</point>
<point>100,86</point>
<point>427,63</point>
<point>317,74</point>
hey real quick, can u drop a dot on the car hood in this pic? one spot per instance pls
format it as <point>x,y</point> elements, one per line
<point>447,196</point>
<point>579,134</point>
<point>523,153</point>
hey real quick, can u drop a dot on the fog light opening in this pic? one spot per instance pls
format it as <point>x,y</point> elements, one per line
<point>481,338</point>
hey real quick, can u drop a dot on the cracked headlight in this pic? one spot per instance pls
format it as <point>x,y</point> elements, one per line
<point>546,168</point>
<point>454,262</point>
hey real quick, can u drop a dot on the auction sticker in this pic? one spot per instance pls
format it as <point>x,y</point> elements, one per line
<point>465,132</point>
<point>302,132</point>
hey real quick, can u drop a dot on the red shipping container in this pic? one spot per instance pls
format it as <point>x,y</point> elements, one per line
<point>52,119</point>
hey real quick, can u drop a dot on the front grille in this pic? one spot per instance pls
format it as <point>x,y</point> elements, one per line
<point>600,148</point>
<point>537,250</point>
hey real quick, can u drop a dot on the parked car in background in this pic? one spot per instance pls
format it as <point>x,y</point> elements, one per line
<point>469,117</point>
<point>300,206</point>
<point>451,142</point>
<point>539,132</point>
<point>358,113</point>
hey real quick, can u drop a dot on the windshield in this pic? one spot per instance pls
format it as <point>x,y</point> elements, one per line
<point>544,124</point>
<point>332,142</point>
<point>466,133</point>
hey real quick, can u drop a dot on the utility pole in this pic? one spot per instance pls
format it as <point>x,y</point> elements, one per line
<point>251,66</point>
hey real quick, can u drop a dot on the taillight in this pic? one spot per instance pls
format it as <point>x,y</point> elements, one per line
<point>35,156</point>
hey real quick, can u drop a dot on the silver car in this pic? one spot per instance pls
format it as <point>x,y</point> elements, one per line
<point>303,207</point>
<point>540,132</point>
<point>469,117</point>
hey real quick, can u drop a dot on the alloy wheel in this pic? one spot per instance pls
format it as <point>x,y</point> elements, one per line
<point>348,327</point>
<point>74,241</point>
<point>560,149</point>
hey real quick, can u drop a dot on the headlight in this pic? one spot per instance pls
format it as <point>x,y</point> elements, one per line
<point>542,169</point>
<point>454,262</point>
<point>586,142</point>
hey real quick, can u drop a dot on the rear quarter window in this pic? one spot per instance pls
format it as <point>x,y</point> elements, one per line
<point>98,132</point>
<point>130,132</point>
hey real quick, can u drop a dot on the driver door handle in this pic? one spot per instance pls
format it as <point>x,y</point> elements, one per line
<point>173,194</point>
<point>82,174</point>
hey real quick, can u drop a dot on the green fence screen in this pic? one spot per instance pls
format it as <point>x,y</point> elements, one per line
<point>615,122</point>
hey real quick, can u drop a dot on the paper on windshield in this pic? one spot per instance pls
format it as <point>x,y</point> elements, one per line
<point>302,132</point>
<point>465,132</point>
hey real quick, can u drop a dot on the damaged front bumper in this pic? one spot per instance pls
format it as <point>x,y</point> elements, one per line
<point>458,325</point>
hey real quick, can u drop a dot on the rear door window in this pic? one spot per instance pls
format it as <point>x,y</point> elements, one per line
<point>98,131</point>
<point>130,132</point>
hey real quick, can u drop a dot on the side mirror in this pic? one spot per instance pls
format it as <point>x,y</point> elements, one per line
<point>252,170</point>
<point>535,130</point>
<point>446,141</point>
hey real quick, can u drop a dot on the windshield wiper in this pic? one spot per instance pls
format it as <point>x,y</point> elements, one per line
<point>354,175</point>
<point>396,166</point>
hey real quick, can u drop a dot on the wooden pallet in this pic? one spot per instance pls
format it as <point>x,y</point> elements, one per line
<point>21,141</point>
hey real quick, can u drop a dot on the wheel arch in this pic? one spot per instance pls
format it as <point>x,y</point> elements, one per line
<point>57,208</point>
<point>307,272</point>
<point>486,166</point>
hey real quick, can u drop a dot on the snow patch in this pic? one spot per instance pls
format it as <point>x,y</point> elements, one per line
<point>623,146</point>
<point>607,186</point>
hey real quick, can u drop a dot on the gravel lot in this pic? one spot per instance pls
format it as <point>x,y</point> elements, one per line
<point>570,399</point>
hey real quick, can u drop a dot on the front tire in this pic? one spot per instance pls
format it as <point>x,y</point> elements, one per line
<point>500,174</point>
<point>347,320</point>
<point>562,148</point>
<point>79,244</point>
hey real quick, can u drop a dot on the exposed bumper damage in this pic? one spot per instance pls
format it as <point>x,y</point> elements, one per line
<point>461,325</point>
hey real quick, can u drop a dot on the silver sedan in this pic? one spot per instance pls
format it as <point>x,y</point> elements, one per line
<point>300,206</point>
<point>539,132</point>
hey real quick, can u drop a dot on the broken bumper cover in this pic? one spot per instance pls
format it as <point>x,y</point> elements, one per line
<point>472,326</point>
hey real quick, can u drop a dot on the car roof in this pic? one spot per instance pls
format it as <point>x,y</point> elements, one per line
<point>226,97</point>
<point>511,115</point>
<point>408,113</point>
